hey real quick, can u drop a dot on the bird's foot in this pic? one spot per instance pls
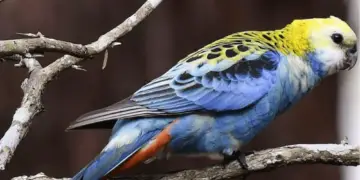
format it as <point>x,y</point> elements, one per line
<point>239,156</point>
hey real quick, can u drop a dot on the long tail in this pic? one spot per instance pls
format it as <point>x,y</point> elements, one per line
<point>133,143</point>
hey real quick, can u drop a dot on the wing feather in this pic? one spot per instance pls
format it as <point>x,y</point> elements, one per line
<point>232,80</point>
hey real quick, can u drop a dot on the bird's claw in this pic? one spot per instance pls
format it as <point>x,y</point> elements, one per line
<point>239,157</point>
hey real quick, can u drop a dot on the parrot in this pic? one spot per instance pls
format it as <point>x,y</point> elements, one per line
<point>218,98</point>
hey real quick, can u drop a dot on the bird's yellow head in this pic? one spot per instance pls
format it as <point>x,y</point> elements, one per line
<point>331,41</point>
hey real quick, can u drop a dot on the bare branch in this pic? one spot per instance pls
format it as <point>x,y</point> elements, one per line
<point>78,67</point>
<point>42,44</point>
<point>37,35</point>
<point>40,176</point>
<point>106,56</point>
<point>270,159</point>
<point>29,62</point>
<point>33,87</point>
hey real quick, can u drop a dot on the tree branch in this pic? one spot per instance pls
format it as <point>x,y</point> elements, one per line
<point>267,160</point>
<point>33,86</point>
<point>41,44</point>
<point>39,176</point>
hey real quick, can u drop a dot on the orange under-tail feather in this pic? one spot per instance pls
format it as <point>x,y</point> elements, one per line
<point>150,150</point>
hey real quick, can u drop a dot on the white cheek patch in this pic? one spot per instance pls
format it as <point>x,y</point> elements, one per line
<point>331,57</point>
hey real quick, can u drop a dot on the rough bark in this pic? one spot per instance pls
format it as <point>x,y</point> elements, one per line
<point>261,161</point>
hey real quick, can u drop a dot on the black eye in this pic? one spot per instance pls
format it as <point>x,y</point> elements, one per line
<point>337,38</point>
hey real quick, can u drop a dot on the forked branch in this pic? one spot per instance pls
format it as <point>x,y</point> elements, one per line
<point>34,86</point>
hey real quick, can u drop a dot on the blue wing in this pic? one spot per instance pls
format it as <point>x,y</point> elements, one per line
<point>225,84</point>
<point>214,88</point>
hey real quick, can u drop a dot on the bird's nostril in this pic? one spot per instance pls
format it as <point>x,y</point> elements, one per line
<point>353,50</point>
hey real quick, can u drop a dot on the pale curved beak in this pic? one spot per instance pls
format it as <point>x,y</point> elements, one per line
<point>351,57</point>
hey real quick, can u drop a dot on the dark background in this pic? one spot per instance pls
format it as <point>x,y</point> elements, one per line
<point>173,30</point>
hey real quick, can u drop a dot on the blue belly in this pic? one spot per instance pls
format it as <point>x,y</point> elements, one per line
<point>228,131</point>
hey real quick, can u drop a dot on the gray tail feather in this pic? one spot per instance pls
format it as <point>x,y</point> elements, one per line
<point>79,175</point>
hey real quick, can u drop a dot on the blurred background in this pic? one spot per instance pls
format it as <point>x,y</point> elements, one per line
<point>173,30</point>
